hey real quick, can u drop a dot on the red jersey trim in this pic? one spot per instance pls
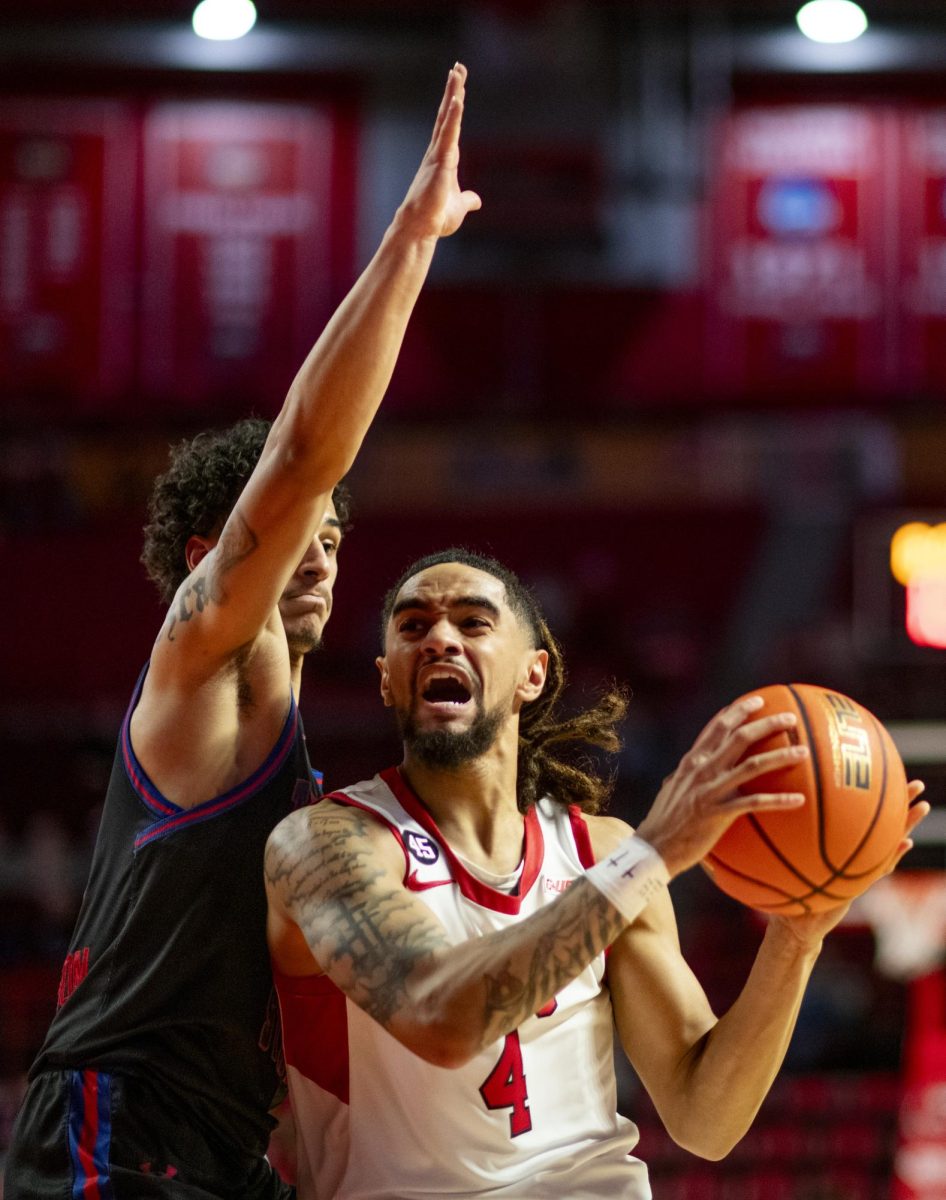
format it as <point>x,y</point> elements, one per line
<point>315,1030</point>
<point>582,835</point>
<point>471,887</point>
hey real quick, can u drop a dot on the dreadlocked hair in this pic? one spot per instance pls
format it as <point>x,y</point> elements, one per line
<point>197,493</point>
<point>554,747</point>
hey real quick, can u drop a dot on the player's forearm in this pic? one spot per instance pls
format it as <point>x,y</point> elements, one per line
<point>729,1072</point>
<point>336,392</point>
<point>465,997</point>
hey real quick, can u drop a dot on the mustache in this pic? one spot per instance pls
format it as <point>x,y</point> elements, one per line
<point>295,593</point>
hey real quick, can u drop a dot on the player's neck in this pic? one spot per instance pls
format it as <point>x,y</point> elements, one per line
<point>474,805</point>
<point>295,674</point>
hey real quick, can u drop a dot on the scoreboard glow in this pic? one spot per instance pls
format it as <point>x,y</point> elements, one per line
<point>918,561</point>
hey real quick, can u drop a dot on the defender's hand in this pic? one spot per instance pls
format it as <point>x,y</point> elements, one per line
<point>434,205</point>
<point>699,801</point>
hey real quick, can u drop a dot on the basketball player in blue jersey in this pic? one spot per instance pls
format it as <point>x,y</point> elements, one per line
<point>160,1066</point>
<point>455,912</point>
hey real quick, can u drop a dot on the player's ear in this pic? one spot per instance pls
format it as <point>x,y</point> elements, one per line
<point>534,680</point>
<point>196,549</point>
<point>382,666</point>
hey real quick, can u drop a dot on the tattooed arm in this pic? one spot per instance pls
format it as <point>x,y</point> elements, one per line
<point>338,905</point>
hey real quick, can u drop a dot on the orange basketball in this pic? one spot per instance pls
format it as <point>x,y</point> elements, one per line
<point>832,848</point>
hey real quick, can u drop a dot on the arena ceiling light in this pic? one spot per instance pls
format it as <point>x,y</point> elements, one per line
<point>224,20</point>
<point>831,20</point>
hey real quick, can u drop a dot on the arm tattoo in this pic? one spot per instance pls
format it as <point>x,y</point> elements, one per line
<point>370,937</point>
<point>193,599</point>
<point>236,544</point>
<point>356,928</point>
<point>568,935</point>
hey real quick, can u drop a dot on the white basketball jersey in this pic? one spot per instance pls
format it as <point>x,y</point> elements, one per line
<point>532,1117</point>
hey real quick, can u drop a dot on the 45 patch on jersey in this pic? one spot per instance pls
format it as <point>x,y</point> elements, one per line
<point>422,848</point>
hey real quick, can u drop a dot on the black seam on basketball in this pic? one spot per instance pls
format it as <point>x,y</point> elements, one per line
<point>840,871</point>
<point>754,822</point>
<point>816,774</point>
<point>881,800</point>
<point>814,889</point>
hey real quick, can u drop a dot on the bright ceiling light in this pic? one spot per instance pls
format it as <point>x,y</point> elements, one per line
<point>224,20</point>
<point>831,20</point>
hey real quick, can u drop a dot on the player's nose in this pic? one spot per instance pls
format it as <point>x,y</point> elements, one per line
<point>440,639</point>
<point>315,562</point>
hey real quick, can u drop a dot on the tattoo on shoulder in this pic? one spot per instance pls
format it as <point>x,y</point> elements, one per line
<point>206,585</point>
<point>357,927</point>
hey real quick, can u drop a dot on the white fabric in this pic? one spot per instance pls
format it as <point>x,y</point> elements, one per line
<point>631,876</point>
<point>417,1131</point>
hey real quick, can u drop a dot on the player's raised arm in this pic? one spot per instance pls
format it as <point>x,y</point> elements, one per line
<point>237,580</point>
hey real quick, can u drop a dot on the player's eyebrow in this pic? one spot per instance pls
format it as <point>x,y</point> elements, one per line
<point>460,602</point>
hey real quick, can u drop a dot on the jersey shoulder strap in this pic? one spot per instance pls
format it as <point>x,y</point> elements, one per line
<point>426,862</point>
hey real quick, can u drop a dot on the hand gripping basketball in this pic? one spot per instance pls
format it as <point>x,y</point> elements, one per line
<point>855,825</point>
<point>701,799</point>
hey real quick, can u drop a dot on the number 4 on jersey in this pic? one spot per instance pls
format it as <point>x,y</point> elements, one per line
<point>505,1087</point>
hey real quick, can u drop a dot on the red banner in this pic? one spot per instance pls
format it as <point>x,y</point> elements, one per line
<point>67,206</point>
<point>798,263</point>
<point>237,271</point>
<point>922,245</point>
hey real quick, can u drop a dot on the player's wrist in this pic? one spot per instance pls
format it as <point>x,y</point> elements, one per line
<point>630,877</point>
<point>412,227</point>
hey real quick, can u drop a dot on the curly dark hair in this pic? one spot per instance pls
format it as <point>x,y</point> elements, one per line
<point>554,758</point>
<point>197,493</point>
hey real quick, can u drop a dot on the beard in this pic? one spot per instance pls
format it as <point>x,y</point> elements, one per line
<point>303,641</point>
<point>446,749</point>
<point>304,633</point>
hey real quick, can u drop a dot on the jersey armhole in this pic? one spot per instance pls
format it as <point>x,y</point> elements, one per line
<point>586,855</point>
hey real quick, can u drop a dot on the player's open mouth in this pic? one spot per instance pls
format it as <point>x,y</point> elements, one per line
<point>445,690</point>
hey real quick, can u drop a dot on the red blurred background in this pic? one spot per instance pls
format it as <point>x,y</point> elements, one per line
<point>685,372</point>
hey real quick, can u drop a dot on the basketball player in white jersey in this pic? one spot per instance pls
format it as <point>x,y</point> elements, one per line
<point>439,932</point>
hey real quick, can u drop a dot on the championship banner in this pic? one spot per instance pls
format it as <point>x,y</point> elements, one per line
<point>67,211</point>
<point>237,271</point>
<point>797,264</point>
<point>922,248</point>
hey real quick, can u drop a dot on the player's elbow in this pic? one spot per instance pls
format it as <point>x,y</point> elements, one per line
<point>696,1138</point>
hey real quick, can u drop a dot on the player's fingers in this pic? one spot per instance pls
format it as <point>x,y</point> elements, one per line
<point>454,83</point>
<point>915,789</point>
<point>915,814</point>
<point>759,764</point>
<point>725,721</point>
<point>471,201</point>
<point>741,737</point>
<point>445,147</point>
<point>904,848</point>
<point>755,731</point>
<point>762,801</point>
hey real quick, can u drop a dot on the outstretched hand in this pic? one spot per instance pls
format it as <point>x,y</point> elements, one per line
<point>434,205</point>
<point>701,799</point>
